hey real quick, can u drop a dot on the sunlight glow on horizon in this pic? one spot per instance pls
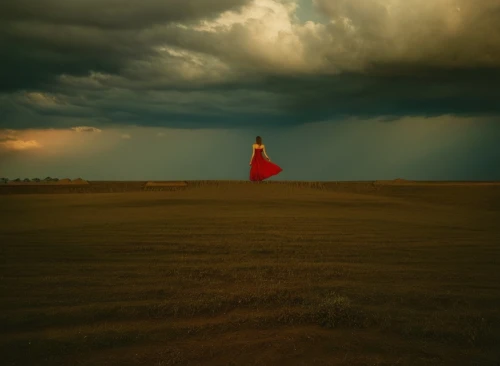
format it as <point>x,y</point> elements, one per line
<point>370,149</point>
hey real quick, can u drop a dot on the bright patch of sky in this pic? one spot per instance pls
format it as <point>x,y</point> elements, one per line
<point>306,11</point>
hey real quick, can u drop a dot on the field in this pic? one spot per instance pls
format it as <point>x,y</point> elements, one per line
<point>227,273</point>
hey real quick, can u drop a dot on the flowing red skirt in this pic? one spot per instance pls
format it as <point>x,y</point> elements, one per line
<point>261,168</point>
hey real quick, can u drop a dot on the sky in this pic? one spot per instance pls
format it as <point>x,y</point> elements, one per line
<point>179,89</point>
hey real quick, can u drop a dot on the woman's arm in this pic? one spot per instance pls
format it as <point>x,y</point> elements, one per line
<point>265,154</point>
<point>253,153</point>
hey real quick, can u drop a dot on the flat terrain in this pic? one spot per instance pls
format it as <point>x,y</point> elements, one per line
<point>252,274</point>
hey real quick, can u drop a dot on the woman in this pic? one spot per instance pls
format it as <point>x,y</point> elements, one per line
<point>261,168</point>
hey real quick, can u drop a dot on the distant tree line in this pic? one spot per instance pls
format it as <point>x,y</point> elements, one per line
<point>48,179</point>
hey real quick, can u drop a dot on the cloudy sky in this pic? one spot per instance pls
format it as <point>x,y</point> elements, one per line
<point>178,89</point>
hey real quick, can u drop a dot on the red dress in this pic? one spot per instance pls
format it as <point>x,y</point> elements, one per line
<point>262,168</point>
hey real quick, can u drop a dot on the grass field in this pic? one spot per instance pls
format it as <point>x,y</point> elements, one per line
<point>252,274</point>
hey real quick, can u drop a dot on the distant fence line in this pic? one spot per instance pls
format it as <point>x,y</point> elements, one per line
<point>137,186</point>
<point>81,186</point>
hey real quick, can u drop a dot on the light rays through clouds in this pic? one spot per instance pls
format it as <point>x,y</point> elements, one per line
<point>339,89</point>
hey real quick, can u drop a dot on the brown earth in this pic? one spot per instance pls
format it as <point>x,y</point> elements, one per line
<point>233,273</point>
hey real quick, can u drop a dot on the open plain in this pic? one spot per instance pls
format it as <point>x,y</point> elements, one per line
<point>239,273</point>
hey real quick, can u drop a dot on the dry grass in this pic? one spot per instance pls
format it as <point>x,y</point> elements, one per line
<point>233,273</point>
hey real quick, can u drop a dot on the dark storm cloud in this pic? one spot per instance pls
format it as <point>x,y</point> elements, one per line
<point>112,14</point>
<point>40,40</point>
<point>149,63</point>
<point>407,90</point>
<point>34,61</point>
<point>288,100</point>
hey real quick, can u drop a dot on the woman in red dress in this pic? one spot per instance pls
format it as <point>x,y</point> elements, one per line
<point>262,168</point>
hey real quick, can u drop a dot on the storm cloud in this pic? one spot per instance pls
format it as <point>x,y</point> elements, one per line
<point>230,64</point>
<point>113,14</point>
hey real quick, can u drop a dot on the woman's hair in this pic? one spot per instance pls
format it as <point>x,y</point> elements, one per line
<point>258,140</point>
